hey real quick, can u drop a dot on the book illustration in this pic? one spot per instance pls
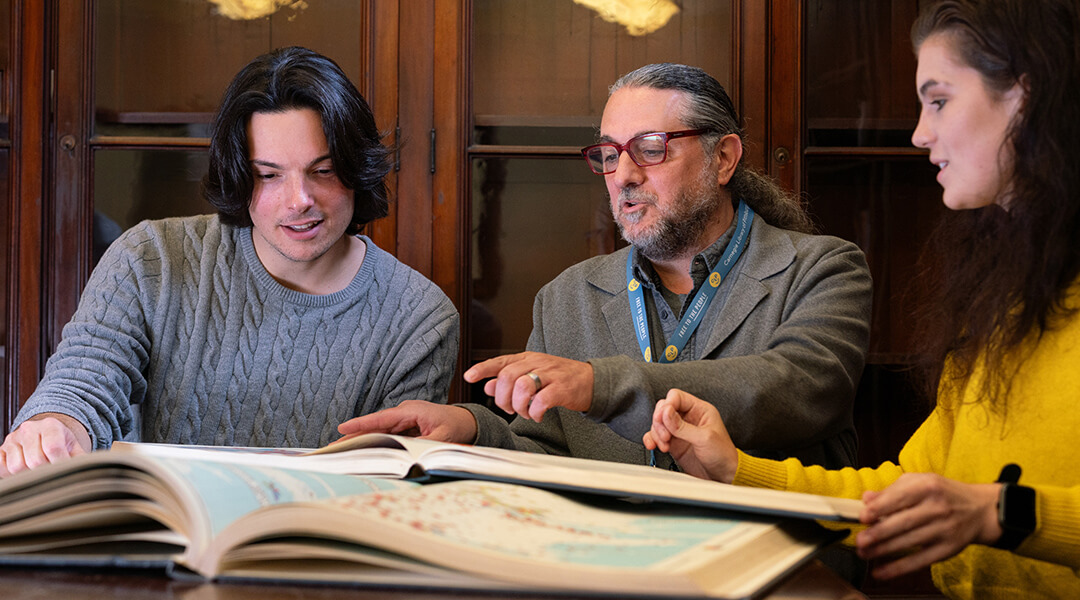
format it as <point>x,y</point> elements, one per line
<point>525,537</point>
<point>227,491</point>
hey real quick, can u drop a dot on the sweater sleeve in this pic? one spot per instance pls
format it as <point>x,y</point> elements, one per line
<point>1057,535</point>
<point>423,344</point>
<point>924,452</point>
<point>98,369</point>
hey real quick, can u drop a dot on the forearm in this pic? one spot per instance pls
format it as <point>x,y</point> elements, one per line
<point>767,401</point>
<point>793,476</point>
<point>493,430</point>
<point>88,387</point>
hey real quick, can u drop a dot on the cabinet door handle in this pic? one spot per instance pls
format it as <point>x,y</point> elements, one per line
<point>397,149</point>
<point>433,151</point>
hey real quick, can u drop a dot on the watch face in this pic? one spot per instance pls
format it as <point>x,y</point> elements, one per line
<point>1016,515</point>
<point>1019,508</point>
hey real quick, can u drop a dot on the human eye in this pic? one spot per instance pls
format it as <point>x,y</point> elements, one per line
<point>265,176</point>
<point>934,99</point>
<point>649,147</point>
<point>324,170</point>
<point>603,154</point>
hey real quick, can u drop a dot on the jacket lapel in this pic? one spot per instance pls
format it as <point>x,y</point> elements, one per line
<point>769,252</point>
<point>610,276</point>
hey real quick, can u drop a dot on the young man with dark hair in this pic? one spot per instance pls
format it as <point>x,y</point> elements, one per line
<point>267,324</point>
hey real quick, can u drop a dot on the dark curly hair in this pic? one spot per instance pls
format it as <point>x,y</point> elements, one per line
<point>1001,275</point>
<point>286,79</point>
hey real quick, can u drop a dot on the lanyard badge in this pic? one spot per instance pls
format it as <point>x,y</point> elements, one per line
<point>693,316</point>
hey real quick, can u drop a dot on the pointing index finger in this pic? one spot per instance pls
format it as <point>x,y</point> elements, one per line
<point>489,368</point>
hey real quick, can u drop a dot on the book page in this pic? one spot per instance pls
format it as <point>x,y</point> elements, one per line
<point>619,479</point>
<point>141,496</point>
<point>531,537</point>
<point>637,481</point>
<point>384,457</point>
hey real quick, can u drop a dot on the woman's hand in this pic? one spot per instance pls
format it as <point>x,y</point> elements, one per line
<point>692,431</point>
<point>923,518</point>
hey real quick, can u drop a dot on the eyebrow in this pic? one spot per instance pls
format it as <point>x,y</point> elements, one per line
<point>925,87</point>
<point>608,138</point>
<point>272,165</point>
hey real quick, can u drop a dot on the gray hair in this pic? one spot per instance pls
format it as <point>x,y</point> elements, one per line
<point>708,106</point>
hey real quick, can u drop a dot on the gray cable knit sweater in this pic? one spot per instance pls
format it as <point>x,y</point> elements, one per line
<point>181,318</point>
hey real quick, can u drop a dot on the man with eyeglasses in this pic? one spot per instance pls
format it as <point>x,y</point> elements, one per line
<point>723,292</point>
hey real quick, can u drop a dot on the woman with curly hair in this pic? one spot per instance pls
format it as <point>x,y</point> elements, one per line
<point>987,489</point>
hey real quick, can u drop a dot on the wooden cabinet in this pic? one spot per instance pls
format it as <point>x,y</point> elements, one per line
<point>533,206</point>
<point>488,101</point>
<point>862,176</point>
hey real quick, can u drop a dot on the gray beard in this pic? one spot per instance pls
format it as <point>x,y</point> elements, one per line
<point>678,231</point>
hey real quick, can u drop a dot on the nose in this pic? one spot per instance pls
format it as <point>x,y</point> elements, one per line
<point>627,172</point>
<point>922,137</point>
<point>299,195</point>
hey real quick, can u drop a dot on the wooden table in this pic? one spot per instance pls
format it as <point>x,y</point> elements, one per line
<point>815,581</point>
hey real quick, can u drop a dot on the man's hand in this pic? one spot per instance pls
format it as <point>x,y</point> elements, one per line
<point>417,418</point>
<point>558,382</point>
<point>44,438</point>
<point>935,516</point>
<point>692,431</point>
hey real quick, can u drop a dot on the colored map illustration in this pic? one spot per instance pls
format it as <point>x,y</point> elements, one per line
<point>537,525</point>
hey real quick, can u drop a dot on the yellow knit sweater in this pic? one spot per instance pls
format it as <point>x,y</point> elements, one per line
<point>1040,431</point>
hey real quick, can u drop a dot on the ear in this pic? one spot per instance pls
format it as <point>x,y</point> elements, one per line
<point>1017,95</point>
<point>727,154</point>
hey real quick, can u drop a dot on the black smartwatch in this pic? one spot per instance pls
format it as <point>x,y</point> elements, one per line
<point>1015,508</point>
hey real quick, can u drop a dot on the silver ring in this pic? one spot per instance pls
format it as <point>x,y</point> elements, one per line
<point>535,379</point>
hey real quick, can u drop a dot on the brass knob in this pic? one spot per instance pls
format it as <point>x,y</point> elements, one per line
<point>68,142</point>
<point>781,155</point>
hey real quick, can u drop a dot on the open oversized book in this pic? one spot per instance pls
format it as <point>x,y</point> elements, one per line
<point>228,513</point>
<point>399,457</point>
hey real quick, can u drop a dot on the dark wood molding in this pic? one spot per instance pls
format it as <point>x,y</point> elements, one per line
<point>24,295</point>
<point>448,197</point>
<point>785,93</point>
<point>381,87</point>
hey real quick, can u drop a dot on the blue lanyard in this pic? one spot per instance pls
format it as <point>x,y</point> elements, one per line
<point>692,318</point>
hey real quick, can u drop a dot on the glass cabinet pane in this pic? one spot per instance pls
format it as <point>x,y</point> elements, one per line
<point>888,206</point>
<point>860,73</point>
<point>540,73</point>
<point>190,52</point>
<point>531,218</point>
<point>864,180</point>
<point>541,68</point>
<point>133,185</point>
